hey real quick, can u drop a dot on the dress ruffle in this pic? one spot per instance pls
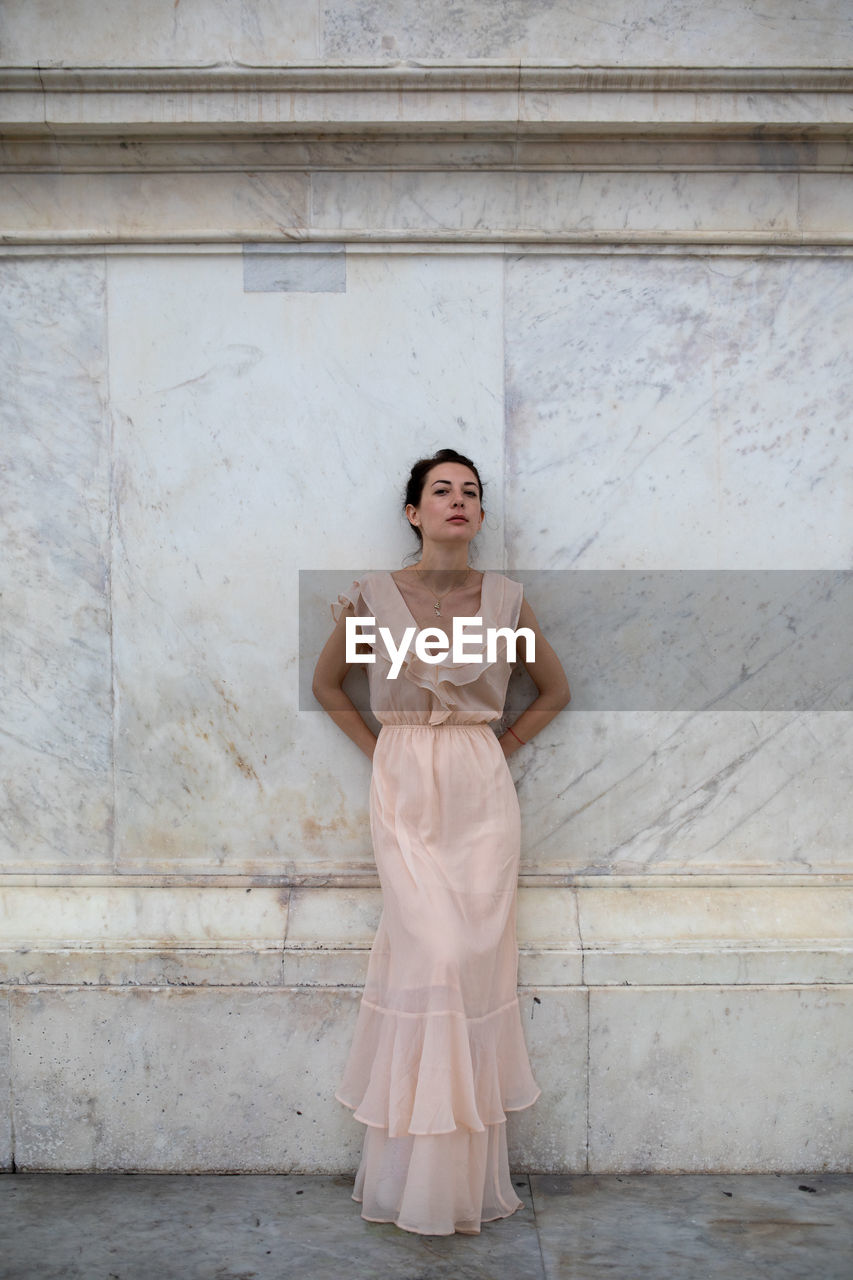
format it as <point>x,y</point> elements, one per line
<point>346,598</point>
<point>418,1074</point>
<point>441,679</point>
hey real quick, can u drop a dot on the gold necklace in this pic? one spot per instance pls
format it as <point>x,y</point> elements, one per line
<point>438,599</point>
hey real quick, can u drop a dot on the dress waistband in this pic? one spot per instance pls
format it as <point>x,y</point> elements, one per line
<point>453,724</point>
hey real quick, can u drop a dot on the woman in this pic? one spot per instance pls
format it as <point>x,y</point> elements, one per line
<point>438,1056</point>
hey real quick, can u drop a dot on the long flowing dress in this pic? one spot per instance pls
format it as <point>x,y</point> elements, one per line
<point>438,1055</point>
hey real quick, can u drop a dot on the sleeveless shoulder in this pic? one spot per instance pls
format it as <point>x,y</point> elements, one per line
<point>505,600</point>
<point>350,599</point>
<point>364,596</point>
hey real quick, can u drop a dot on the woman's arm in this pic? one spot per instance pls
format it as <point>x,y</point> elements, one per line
<point>329,674</point>
<point>550,679</point>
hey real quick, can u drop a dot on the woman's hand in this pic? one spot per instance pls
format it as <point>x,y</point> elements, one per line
<point>509,745</point>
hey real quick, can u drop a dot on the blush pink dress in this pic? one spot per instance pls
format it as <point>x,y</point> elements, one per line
<point>438,1056</point>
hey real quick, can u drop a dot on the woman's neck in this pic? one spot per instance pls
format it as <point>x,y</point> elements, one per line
<point>438,559</point>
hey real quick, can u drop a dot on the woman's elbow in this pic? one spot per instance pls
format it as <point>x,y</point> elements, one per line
<point>562,696</point>
<point>329,693</point>
<point>320,690</point>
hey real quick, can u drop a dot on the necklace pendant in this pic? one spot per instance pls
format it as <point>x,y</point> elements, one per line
<point>437,607</point>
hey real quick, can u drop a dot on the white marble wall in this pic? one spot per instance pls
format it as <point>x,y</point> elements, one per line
<point>258,434</point>
<point>255,434</point>
<point>540,32</point>
<point>56,761</point>
<point>694,411</point>
<point>696,408</point>
<point>624,402</point>
<point>160,33</point>
<point>611,33</point>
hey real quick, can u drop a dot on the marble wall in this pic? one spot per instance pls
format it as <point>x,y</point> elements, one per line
<point>231,314</point>
<point>788,33</point>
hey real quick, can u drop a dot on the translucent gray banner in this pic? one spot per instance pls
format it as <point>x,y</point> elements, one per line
<point>667,640</point>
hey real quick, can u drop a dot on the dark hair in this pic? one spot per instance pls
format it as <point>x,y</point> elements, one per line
<point>419,473</point>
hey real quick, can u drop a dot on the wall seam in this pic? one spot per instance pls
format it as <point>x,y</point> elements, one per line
<point>320,32</point>
<point>504,411</point>
<point>585,988</point>
<point>588,1080</point>
<point>110,558</point>
<point>13,1164</point>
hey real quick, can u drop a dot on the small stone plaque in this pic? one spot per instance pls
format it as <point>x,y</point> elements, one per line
<point>298,268</point>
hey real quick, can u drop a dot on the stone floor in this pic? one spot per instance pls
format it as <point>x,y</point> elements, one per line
<point>648,1227</point>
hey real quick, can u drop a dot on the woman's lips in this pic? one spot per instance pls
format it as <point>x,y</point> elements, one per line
<point>457,519</point>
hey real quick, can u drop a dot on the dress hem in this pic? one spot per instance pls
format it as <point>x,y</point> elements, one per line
<point>457,1231</point>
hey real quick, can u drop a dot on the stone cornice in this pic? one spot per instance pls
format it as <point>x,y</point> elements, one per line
<point>596,933</point>
<point>499,100</point>
<point>423,77</point>
<point>468,155</point>
<point>367,878</point>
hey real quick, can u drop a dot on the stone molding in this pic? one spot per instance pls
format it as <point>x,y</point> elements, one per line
<point>512,100</point>
<point>429,205</point>
<point>577,152</point>
<point>423,75</point>
<point>427,154</point>
<point>319,936</point>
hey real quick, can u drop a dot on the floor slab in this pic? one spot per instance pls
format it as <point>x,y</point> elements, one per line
<point>695,1226</point>
<point>578,1227</point>
<point>249,1227</point>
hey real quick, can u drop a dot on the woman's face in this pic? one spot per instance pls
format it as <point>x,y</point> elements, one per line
<point>449,509</point>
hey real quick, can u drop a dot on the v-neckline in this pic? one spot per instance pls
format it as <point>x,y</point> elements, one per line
<point>412,616</point>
